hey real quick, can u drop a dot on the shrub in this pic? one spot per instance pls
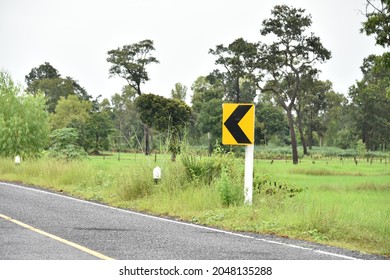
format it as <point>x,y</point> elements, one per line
<point>229,189</point>
<point>201,169</point>
<point>268,186</point>
<point>63,145</point>
<point>135,185</point>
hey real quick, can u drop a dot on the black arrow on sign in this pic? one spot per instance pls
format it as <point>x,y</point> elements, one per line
<point>232,124</point>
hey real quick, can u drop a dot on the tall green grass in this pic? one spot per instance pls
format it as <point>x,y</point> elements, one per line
<point>338,203</point>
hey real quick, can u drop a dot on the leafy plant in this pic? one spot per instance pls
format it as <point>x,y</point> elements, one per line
<point>63,145</point>
<point>268,186</point>
<point>229,191</point>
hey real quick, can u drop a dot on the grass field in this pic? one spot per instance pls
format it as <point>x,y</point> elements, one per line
<point>335,202</point>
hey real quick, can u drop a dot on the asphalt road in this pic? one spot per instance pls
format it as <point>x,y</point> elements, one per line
<point>37,224</point>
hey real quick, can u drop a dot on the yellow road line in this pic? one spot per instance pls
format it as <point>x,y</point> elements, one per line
<point>82,248</point>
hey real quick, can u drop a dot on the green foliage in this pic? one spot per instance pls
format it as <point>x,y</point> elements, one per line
<point>135,184</point>
<point>342,204</point>
<point>290,58</point>
<point>70,110</point>
<point>179,92</point>
<point>63,145</point>
<point>130,61</point>
<point>238,82</point>
<point>220,170</point>
<point>378,21</point>
<point>23,121</point>
<point>361,148</point>
<point>371,103</point>
<point>162,113</point>
<point>265,185</point>
<point>203,170</point>
<point>230,187</point>
<point>46,79</point>
<point>42,72</point>
<point>270,124</point>
<point>165,115</point>
<point>96,132</point>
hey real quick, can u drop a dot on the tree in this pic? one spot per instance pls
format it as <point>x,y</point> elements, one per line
<point>309,108</point>
<point>234,59</point>
<point>271,123</point>
<point>129,62</point>
<point>126,117</point>
<point>163,114</point>
<point>378,21</point>
<point>64,144</point>
<point>97,130</point>
<point>290,57</point>
<point>42,72</point>
<point>70,111</point>
<point>371,102</point>
<point>24,125</point>
<point>47,79</point>
<point>207,109</point>
<point>179,92</point>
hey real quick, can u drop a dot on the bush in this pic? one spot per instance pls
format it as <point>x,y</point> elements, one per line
<point>230,191</point>
<point>201,169</point>
<point>63,145</point>
<point>135,185</point>
<point>268,186</point>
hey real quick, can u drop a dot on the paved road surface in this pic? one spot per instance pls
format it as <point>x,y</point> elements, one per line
<point>36,224</point>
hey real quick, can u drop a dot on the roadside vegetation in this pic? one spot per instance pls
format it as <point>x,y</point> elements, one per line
<point>337,194</point>
<point>324,199</point>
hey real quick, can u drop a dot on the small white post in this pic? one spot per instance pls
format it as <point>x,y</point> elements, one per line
<point>157,174</point>
<point>248,177</point>
<point>17,160</point>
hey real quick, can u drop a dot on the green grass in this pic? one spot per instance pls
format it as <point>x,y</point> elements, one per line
<point>341,204</point>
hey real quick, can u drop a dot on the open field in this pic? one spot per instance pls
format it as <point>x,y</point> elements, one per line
<point>335,202</point>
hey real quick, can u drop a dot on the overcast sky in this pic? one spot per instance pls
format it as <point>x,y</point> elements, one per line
<point>75,35</point>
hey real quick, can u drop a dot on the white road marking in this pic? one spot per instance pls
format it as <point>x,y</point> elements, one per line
<point>185,224</point>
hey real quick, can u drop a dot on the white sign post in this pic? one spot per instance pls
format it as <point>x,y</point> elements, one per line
<point>248,177</point>
<point>238,128</point>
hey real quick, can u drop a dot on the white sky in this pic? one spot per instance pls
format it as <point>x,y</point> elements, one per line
<point>75,35</point>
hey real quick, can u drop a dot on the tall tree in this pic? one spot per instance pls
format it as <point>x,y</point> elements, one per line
<point>271,123</point>
<point>43,71</point>
<point>167,115</point>
<point>234,62</point>
<point>207,109</point>
<point>129,62</point>
<point>70,112</point>
<point>309,108</point>
<point>371,101</point>
<point>179,92</point>
<point>45,78</point>
<point>378,21</point>
<point>24,125</point>
<point>126,118</point>
<point>292,55</point>
<point>97,130</point>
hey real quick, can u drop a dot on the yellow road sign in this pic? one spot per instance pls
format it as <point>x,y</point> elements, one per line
<point>238,124</point>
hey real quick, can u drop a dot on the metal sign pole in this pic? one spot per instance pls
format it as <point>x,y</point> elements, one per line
<point>248,177</point>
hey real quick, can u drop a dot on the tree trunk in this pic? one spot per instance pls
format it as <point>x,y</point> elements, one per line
<point>146,134</point>
<point>293,137</point>
<point>301,134</point>
<point>237,88</point>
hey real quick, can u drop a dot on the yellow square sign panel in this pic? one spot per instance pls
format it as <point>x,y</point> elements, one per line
<point>238,124</point>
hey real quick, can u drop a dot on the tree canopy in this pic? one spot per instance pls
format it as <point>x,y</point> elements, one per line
<point>24,126</point>
<point>130,61</point>
<point>46,79</point>
<point>289,58</point>
<point>378,21</point>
